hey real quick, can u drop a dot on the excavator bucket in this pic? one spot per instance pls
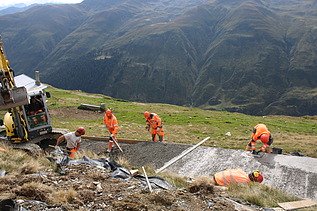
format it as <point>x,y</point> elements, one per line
<point>13,98</point>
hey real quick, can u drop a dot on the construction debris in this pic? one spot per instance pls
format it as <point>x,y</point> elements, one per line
<point>297,204</point>
<point>147,179</point>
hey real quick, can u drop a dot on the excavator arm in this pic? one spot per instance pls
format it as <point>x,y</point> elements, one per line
<point>11,99</point>
<point>11,96</point>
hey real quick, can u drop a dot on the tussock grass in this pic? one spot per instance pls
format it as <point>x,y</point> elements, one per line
<point>174,179</point>
<point>260,195</point>
<point>97,176</point>
<point>34,190</point>
<point>30,167</point>
<point>63,196</point>
<point>17,161</point>
<point>150,170</point>
<point>87,153</point>
<point>123,162</point>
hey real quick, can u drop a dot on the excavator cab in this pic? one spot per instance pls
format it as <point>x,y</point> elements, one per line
<point>37,116</point>
<point>27,123</point>
<point>33,117</point>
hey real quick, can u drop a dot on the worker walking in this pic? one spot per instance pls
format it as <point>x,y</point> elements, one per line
<point>154,125</point>
<point>73,140</point>
<point>237,176</point>
<point>112,125</point>
<point>260,132</point>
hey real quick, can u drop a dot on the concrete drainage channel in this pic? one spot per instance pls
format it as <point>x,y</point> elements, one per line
<point>292,174</point>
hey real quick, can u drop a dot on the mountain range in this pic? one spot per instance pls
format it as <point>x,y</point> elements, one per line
<point>252,56</point>
<point>15,8</point>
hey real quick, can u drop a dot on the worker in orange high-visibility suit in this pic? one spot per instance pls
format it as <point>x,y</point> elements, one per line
<point>112,125</point>
<point>154,125</point>
<point>237,176</point>
<point>260,132</point>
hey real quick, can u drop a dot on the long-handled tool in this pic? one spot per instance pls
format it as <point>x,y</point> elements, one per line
<point>115,141</point>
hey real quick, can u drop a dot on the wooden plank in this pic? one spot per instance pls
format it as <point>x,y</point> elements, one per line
<point>147,180</point>
<point>180,156</point>
<point>297,204</point>
<point>92,107</point>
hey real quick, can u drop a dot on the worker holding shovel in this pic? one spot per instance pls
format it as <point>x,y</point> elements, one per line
<point>112,125</point>
<point>73,140</point>
<point>154,125</point>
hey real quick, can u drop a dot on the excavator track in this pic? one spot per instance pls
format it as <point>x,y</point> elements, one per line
<point>35,146</point>
<point>32,149</point>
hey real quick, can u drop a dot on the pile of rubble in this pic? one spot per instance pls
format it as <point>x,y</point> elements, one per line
<point>89,186</point>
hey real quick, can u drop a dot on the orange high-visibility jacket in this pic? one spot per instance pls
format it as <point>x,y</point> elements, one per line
<point>227,177</point>
<point>155,121</point>
<point>258,130</point>
<point>111,124</point>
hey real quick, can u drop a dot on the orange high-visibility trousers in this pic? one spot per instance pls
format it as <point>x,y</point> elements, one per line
<point>72,153</point>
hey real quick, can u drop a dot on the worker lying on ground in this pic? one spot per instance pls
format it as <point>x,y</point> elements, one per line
<point>73,140</point>
<point>260,132</point>
<point>154,125</point>
<point>112,125</point>
<point>227,177</point>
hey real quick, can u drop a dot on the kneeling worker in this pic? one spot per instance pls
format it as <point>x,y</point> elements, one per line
<point>260,132</point>
<point>73,140</point>
<point>237,176</point>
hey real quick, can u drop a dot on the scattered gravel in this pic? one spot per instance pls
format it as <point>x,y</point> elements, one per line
<point>153,154</point>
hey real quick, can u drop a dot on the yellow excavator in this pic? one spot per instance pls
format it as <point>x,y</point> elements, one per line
<point>27,121</point>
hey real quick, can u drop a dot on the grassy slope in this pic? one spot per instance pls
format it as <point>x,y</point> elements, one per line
<point>188,125</point>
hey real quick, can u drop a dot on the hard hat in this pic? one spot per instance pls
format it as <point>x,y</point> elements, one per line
<point>108,113</point>
<point>257,176</point>
<point>146,114</point>
<point>265,138</point>
<point>81,131</point>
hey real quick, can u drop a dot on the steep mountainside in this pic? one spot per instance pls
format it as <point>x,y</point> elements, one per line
<point>252,56</point>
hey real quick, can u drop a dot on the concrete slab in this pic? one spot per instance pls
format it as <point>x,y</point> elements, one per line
<point>295,175</point>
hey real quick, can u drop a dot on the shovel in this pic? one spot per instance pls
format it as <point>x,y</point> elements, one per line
<point>116,143</point>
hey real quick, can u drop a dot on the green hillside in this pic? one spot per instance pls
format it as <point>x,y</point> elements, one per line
<point>182,124</point>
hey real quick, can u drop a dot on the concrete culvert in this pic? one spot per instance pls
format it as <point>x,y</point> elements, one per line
<point>292,174</point>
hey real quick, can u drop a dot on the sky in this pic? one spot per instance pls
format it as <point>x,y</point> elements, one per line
<point>5,3</point>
